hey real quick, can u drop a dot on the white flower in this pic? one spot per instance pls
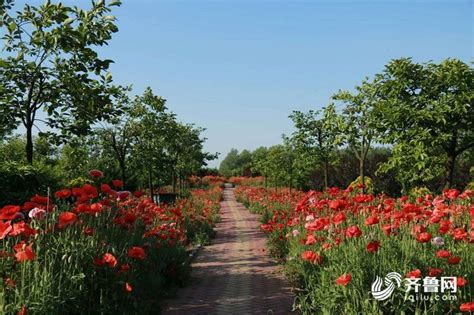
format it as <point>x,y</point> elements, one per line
<point>37,213</point>
<point>438,241</point>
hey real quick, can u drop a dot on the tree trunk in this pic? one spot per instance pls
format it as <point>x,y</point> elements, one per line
<point>150,183</point>
<point>174,181</point>
<point>325,172</point>
<point>450,165</point>
<point>123,172</point>
<point>29,143</point>
<point>451,162</point>
<point>291,181</point>
<point>362,173</point>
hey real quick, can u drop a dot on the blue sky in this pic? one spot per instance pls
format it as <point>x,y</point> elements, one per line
<point>239,68</point>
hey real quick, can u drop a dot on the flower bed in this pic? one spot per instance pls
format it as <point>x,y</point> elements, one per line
<point>93,249</point>
<point>334,244</point>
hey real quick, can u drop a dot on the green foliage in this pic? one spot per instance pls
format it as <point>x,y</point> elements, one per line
<point>20,181</point>
<point>426,112</point>
<point>236,164</point>
<point>316,138</point>
<point>470,186</point>
<point>50,65</point>
<point>422,191</point>
<point>78,181</point>
<point>368,185</point>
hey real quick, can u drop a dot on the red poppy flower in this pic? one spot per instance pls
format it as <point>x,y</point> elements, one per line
<point>90,191</point>
<point>5,228</point>
<point>63,194</point>
<point>451,193</point>
<point>414,274</point>
<point>40,199</point>
<point>418,229</point>
<point>9,212</point>
<point>9,282</point>
<point>434,272</point>
<point>310,239</point>
<point>28,205</point>
<point>444,226</point>
<point>317,225</point>
<point>136,252</point>
<point>124,268</point>
<point>96,173</point>
<point>128,287</point>
<point>21,228</point>
<point>344,279</point>
<point>337,204</point>
<point>23,310</point>
<point>326,246</point>
<point>454,260</point>
<point>23,252</point>
<point>123,194</point>
<point>339,218</point>
<point>371,220</point>
<point>67,218</point>
<point>374,246</point>
<point>467,307</point>
<point>423,237</point>
<point>88,231</point>
<point>117,183</point>
<point>312,257</point>
<point>138,194</point>
<point>105,188</point>
<point>442,253</point>
<point>353,231</point>
<point>109,259</point>
<point>460,282</point>
<point>459,234</point>
<point>96,207</point>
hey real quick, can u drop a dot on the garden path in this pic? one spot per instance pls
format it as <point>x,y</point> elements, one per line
<point>234,275</point>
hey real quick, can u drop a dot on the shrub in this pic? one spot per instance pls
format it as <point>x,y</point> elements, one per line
<point>368,184</point>
<point>19,182</point>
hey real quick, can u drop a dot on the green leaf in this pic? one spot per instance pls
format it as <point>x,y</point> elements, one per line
<point>20,56</point>
<point>115,3</point>
<point>108,77</point>
<point>12,27</point>
<point>68,21</point>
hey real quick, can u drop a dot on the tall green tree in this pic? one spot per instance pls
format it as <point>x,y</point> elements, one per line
<point>117,139</point>
<point>358,123</point>
<point>260,163</point>
<point>317,134</point>
<point>152,122</point>
<point>230,163</point>
<point>51,66</point>
<point>426,112</point>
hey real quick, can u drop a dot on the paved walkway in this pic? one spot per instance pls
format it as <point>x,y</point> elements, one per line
<point>234,275</point>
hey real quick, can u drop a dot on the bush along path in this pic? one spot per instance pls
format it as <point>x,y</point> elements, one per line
<point>234,275</point>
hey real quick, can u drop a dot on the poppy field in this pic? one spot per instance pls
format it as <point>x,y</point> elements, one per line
<point>97,249</point>
<point>334,243</point>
